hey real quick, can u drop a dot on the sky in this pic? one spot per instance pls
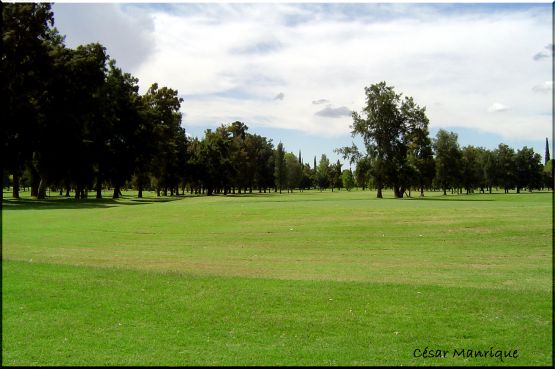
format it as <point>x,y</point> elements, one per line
<point>295,72</point>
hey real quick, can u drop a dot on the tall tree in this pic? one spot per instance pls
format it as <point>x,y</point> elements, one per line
<point>506,167</point>
<point>293,172</point>
<point>26,35</point>
<point>120,146</point>
<point>335,176</point>
<point>547,156</point>
<point>164,105</point>
<point>363,171</point>
<point>347,179</point>
<point>528,169</point>
<point>323,172</point>
<point>279,167</point>
<point>471,171</point>
<point>448,159</point>
<point>387,126</point>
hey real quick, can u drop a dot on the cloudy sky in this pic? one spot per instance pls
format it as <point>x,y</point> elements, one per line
<point>294,72</point>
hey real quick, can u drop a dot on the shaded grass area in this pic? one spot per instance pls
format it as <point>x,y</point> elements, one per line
<point>57,314</point>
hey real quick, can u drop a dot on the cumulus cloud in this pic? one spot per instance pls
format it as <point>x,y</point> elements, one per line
<point>545,87</point>
<point>330,112</point>
<point>497,108</point>
<point>548,53</point>
<point>229,60</point>
<point>125,31</point>
<point>279,96</point>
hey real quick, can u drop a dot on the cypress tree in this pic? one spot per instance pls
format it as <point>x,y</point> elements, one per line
<point>547,157</point>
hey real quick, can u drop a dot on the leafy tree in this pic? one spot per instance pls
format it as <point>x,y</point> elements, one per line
<point>293,171</point>
<point>279,167</point>
<point>389,126</point>
<point>307,176</point>
<point>548,174</point>
<point>119,145</point>
<point>26,36</point>
<point>421,164</point>
<point>528,169</point>
<point>363,171</point>
<point>323,172</point>
<point>350,153</point>
<point>448,159</point>
<point>261,154</point>
<point>488,164</point>
<point>471,171</point>
<point>347,179</point>
<point>335,176</point>
<point>163,105</point>
<point>506,167</point>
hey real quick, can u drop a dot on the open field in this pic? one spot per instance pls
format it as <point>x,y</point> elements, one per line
<point>306,278</point>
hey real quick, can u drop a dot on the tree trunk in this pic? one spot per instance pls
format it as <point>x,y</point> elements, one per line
<point>117,193</point>
<point>41,190</point>
<point>34,189</point>
<point>77,192</point>
<point>15,187</point>
<point>98,187</point>
<point>379,196</point>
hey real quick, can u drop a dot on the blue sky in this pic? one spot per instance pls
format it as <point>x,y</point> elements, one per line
<point>292,72</point>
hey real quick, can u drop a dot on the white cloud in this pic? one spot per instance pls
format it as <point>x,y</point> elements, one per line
<point>331,112</point>
<point>126,32</point>
<point>497,107</point>
<point>449,60</point>
<point>545,87</point>
<point>544,54</point>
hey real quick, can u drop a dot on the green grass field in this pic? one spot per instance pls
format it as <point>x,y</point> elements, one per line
<point>294,279</point>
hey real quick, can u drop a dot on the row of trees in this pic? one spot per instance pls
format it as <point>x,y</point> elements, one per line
<point>75,121</point>
<point>400,155</point>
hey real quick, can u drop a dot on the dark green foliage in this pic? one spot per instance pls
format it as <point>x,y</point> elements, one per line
<point>506,167</point>
<point>26,39</point>
<point>279,167</point>
<point>323,173</point>
<point>528,169</point>
<point>74,121</point>
<point>392,129</point>
<point>347,179</point>
<point>448,160</point>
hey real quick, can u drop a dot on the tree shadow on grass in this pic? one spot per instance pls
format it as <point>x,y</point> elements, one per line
<point>446,198</point>
<point>70,203</point>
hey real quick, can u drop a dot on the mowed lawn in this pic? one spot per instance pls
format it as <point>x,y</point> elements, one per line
<point>307,278</point>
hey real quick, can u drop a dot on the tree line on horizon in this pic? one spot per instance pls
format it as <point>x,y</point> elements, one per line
<point>74,121</point>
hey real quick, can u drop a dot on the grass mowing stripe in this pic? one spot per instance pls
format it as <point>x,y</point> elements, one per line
<point>492,241</point>
<point>66,315</point>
